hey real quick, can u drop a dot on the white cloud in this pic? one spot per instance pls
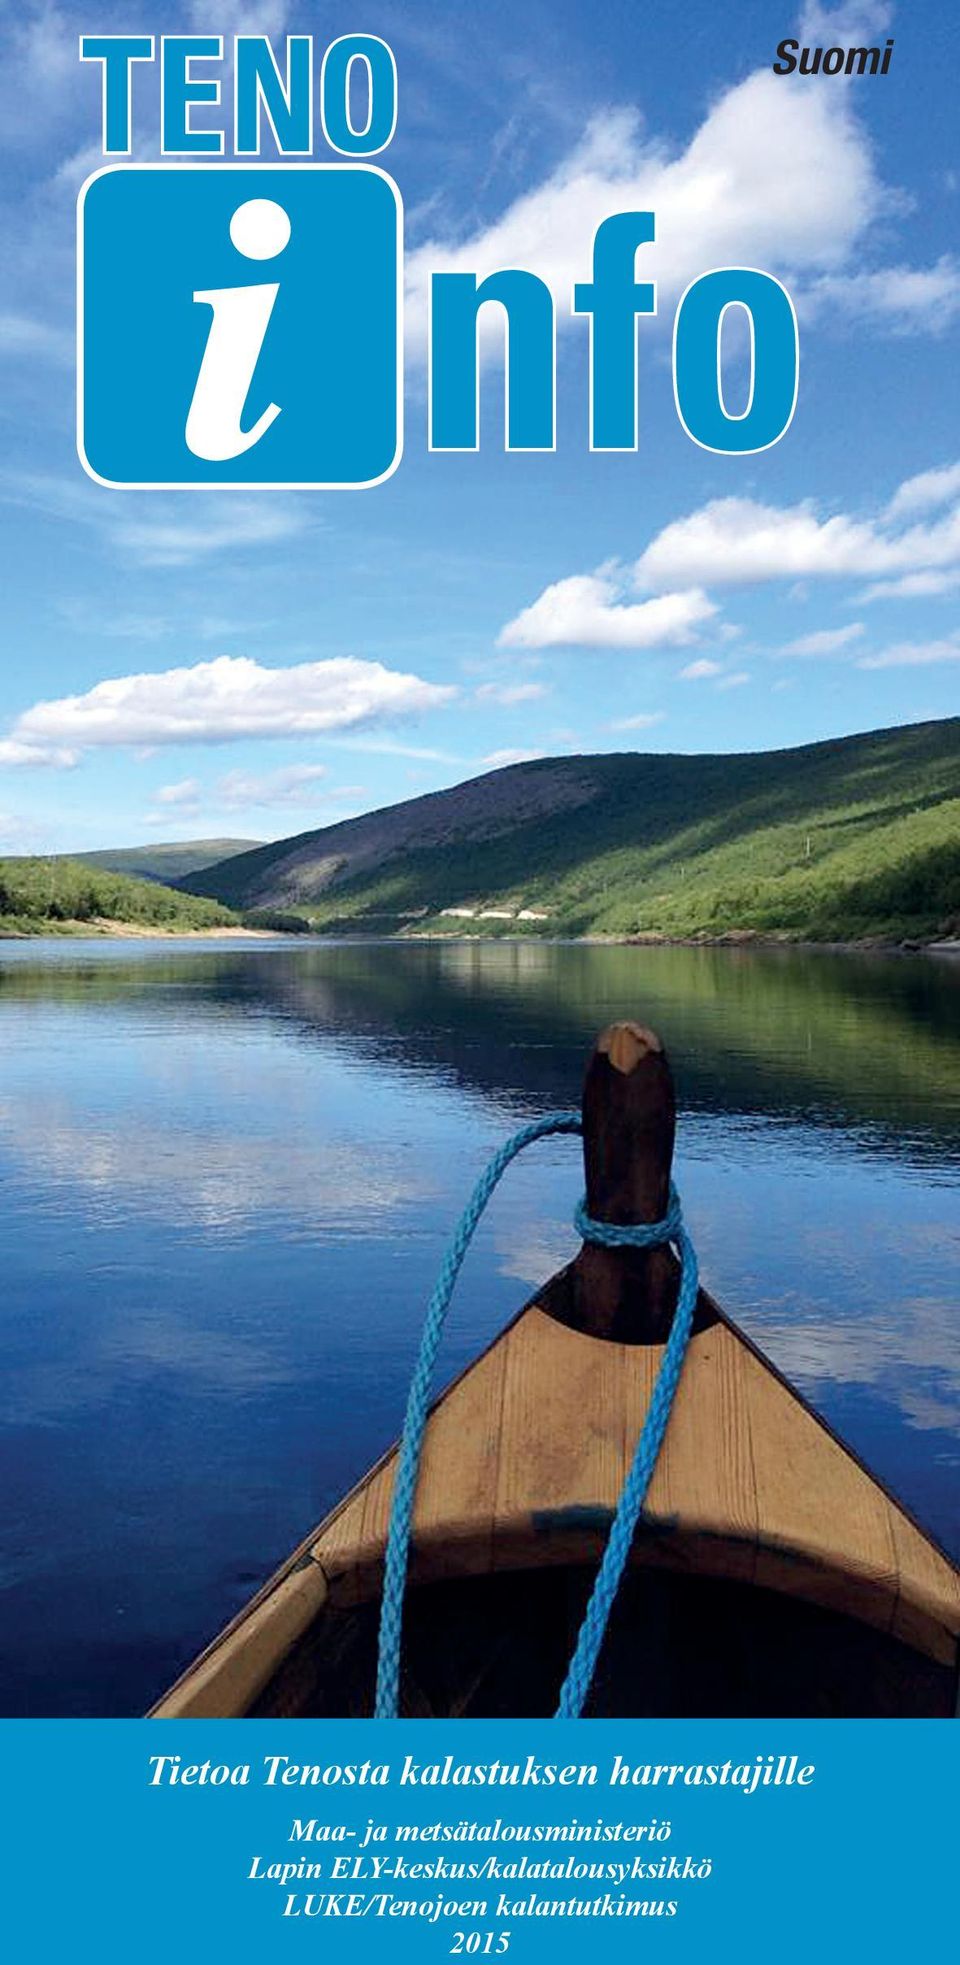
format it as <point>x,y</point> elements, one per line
<point>185,792</point>
<point>508,693</point>
<point>645,721</point>
<point>44,80</point>
<point>588,610</point>
<point>903,299</point>
<point>777,175</point>
<point>701,671</point>
<point>218,702</point>
<point>15,753</point>
<point>268,17</point>
<point>497,760</point>
<point>737,539</point>
<point>734,681</point>
<point>220,627</point>
<point>913,586</point>
<point>89,620</point>
<point>926,492</point>
<point>780,174</point>
<point>852,21</point>
<point>915,654</point>
<point>734,540</point>
<point>825,641</point>
<point>174,538</point>
<point>156,530</point>
<point>294,784</point>
<point>741,541</point>
<point>391,747</point>
<point>20,335</point>
<point>107,623</point>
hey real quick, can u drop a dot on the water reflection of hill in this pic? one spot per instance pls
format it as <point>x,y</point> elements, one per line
<point>869,1045</point>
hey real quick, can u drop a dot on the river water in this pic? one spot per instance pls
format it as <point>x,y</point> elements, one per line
<point>226,1177</point>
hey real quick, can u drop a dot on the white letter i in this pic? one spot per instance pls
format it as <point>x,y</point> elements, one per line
<point>259,229</point>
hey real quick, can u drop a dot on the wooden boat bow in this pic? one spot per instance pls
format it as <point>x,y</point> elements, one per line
<point>526,1452</point>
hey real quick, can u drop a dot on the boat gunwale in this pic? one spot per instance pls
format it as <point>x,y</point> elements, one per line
<point>660,1534</point>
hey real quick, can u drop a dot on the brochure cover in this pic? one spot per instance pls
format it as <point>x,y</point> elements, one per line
<point>479,980</point>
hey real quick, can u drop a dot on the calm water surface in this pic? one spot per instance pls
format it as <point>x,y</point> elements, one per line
<point>226,1175</point>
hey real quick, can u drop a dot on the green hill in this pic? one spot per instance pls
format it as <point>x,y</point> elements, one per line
<point>851,839</point>
<point>54,896</point>
<point>168,863</point>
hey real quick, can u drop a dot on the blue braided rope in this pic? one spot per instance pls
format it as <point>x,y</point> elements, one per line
<point>418,1406</point>
<point>646,1235</point>
<point>576,1685</point>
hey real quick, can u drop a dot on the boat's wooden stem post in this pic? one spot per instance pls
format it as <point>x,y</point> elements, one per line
<point>629,1117</point>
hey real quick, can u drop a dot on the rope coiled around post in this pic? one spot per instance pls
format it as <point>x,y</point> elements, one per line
<point>646,1235</point>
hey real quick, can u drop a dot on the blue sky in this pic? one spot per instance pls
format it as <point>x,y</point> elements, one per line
<point>176,665</point>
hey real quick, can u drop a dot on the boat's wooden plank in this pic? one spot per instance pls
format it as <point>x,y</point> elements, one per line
<point>453,1518</point>
<point>824,1524</point>
<point>525,1457</point>
<point>524,1461</point>
<point>377,1499</point>
<point>228,1677</point>
<point>459,1472</point>
<point>704,1483</point>
<point>526,1454</point>
<point>350,1544</point>
<point>339,1539</point>
<point>562,1454</point>
<point>927,1614</point>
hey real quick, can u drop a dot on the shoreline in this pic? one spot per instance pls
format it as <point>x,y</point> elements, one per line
<point>106,930</point>
<point>736,938</point>
<point>744,938</point>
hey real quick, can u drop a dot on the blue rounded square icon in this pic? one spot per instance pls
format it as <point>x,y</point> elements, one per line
<point>239,325</point>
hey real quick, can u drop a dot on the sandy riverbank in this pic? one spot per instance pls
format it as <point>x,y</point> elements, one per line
<point>108,930</point>
<point>104,929</point>
<point>734,938</point>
